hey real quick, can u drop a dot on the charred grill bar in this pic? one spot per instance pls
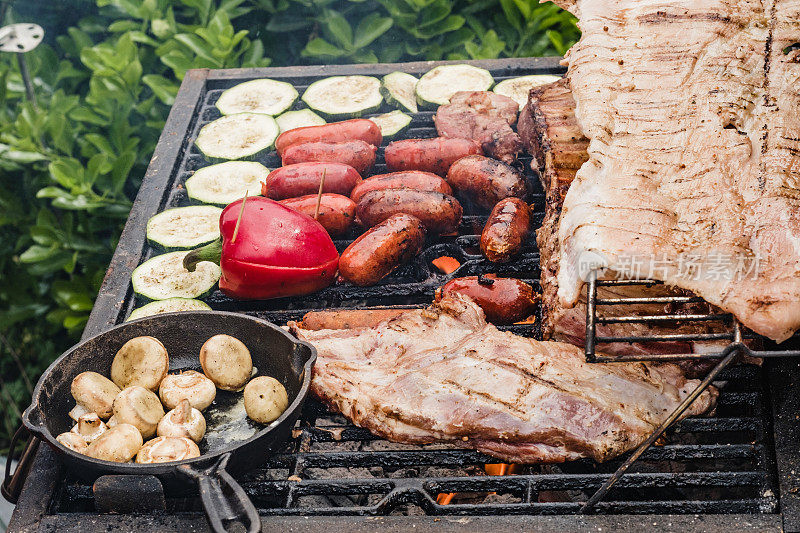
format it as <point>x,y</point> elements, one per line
<point>734,471</point>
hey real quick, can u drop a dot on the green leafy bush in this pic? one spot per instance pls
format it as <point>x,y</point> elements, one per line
<point>70,165</point>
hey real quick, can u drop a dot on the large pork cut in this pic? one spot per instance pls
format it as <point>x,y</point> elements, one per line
<point>692,109</point>
<point>443,374</point>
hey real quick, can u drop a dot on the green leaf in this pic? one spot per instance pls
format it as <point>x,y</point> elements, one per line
<point>370,28</point>
<point>164,89</point>
<point>67,172</point>
<point>321,47</point>
<point>338,27</point>
<point>72,295</point>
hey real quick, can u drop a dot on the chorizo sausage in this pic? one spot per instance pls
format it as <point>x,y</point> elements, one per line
<point>411,179</point>
<point>431,155</point>
<point>336,212</point>
<point>503,300</point>
<point>439,212</point>
<point>358,154</point>
<point>505,230</point>
<point>357,129</point>
<point>485,181</point>
<point>348,318</point>
<point>381,249</point>
<point>301,179</point>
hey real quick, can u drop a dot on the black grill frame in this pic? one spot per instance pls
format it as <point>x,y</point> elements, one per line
<point>772,419</point>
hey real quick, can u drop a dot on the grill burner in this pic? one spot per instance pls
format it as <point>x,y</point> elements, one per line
<point>724,465</point>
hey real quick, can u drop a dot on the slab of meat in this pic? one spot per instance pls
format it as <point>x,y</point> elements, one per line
<point>693,114</point>
<point>443,374</point>
<point>553,137</point>
<point>485,117</point>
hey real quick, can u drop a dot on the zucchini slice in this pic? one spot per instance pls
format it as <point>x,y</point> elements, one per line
<point>298,119</point>
<point>163,276</point>
<point>518,88</point>
<point>239,136</point>
<point>437,85</point>
<point>392,124</point>
<point>269,97</point>
<point>341,97</point>
<point>170,305</point>
<point>182,228</point>
<point>399,90</point>
<point>223,183</point>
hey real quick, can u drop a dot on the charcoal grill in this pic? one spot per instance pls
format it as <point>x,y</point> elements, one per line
<point>736,470</point>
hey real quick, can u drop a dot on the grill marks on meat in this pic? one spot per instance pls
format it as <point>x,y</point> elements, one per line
<point>485,117</point>
<point>443,374</point>
<point>691,109</point>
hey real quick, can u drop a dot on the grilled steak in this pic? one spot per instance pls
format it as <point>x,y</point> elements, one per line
<point>693,114</point>
<point>485,117</point>
<point>443,374</point>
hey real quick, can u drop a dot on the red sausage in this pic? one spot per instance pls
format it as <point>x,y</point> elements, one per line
<point>411,179</point>
<point>485,181</point>
<point>357,129</point>
<point>505,231</point>
<point>336,212</point>
<point>439,212</point>
<point>381,249</point>
<point>358,154</point>
<point>303,178</point>
<point>504,300</point>
<point>431,155</point>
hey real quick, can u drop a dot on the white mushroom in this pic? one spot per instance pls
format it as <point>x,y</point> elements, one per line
<point>111,422</point>
<point>165,449</point>
<point>73,441</point>
<point>183,421</point>
<point>189,385</point>
<point>93,393</point>
<point>89,427</point>
<point>227,362</point>
<point>139,407</point>
<point>119,444</point>
<point>141,361</point>
<point>265,399</point>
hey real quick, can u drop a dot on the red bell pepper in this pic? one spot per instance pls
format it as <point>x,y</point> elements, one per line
<point>277,251</point>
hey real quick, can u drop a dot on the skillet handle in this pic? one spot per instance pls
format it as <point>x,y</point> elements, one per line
<point>13,482</point>
<point>223,498</point>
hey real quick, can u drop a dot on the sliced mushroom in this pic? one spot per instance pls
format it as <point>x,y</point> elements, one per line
<point>189,385</point>
<point>89,427</point>
<point>111,422</point>
<point>142,361</point>
<point>265,399</point>
<point>139,407</point>
<point>73,441</point>
<point>226,361</point>
<point>119,444</point>
<point>165,449</point>
<point>183,421</point>
<point>93,393</point>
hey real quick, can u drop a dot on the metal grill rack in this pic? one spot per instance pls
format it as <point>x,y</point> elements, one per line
<point>731,471</point>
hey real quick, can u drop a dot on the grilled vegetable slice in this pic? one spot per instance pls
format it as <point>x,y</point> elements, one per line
<point>392,124</point>
<point>298,119</point>
<point>163,276</point>
<point>223,183</point>
<point>399,90</point>
<point>170,305</point>
<point>182,228</point>
<point>518,88</point>
<point>269,97</point>
<point>437,85</point>
<point>239,136</point>
<point>341,97</point>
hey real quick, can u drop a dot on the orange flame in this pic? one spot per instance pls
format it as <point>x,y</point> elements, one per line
<point>494,469</point>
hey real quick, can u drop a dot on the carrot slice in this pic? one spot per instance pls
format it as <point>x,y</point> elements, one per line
<point>446,264</point>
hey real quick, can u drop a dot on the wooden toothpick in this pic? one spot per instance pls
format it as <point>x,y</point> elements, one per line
<point>319,194</point>
<point>239,220</point>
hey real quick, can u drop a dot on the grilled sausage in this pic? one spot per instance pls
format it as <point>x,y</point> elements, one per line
<point>301,179</point>
<point>439,212</point>
<point>358,154</point>
<point>336,212</point>
<point>411,179</point>
<point>504,300</point>
<point>357,129</point>
<point>347,318</point>
<point>431,155</point>
<point>382,249</point>
<point>505,231</point>
<point>485,181</point>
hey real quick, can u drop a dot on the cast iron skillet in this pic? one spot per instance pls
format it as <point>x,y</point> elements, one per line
<point>232,443</point>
